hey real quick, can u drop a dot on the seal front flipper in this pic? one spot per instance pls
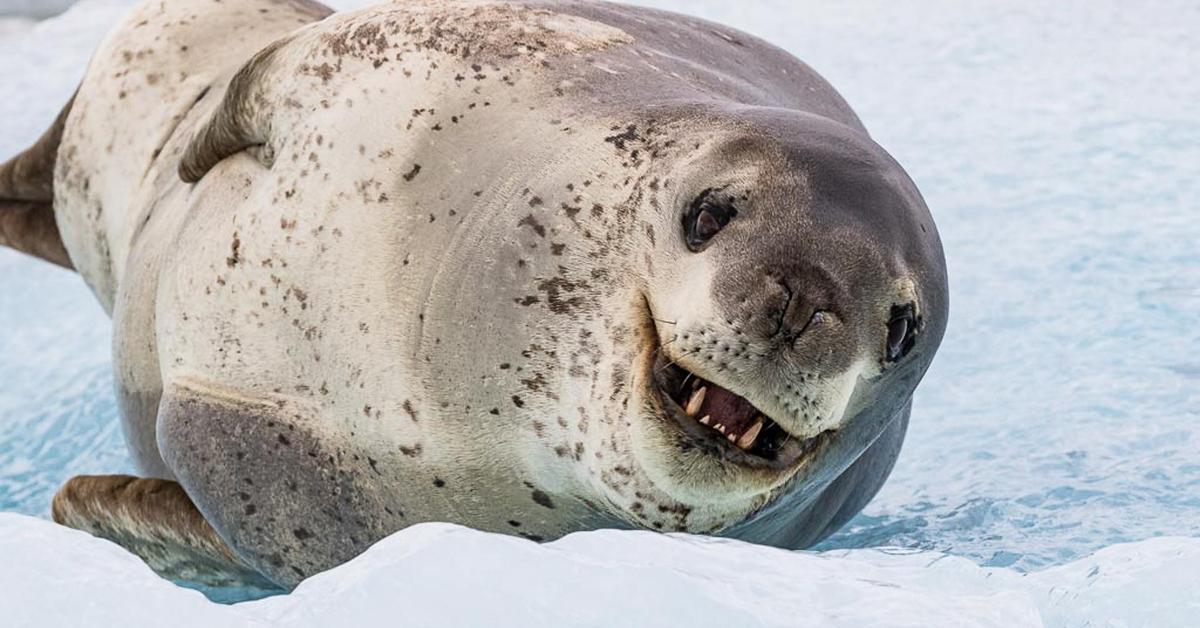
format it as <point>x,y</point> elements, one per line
<point>27,221</point>
<point>156,520</point>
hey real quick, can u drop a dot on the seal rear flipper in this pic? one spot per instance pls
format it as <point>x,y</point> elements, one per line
<point>27,221</point>
<point>156,520</point>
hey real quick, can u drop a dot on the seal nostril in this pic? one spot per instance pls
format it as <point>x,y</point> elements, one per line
<point>800,313</point>
<point>818,319</point>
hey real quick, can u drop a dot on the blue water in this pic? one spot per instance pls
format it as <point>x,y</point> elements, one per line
<point>1058,145</point>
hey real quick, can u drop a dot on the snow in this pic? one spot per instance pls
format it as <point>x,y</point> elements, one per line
<point>450,576</point>
<point>1056,144</point>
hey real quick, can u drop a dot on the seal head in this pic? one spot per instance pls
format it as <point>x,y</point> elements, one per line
<point>796,300</point>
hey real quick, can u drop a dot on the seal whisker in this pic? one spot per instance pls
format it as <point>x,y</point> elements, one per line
<point>658,349</point>
<point>683,384</point>
<point>672,362</point>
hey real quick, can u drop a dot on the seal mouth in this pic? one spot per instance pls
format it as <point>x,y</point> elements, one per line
<point>726,424</point>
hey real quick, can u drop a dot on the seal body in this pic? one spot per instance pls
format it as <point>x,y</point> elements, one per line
<point>455,260</point>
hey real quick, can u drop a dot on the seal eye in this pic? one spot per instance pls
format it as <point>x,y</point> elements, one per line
<point>901,331</point>
<point>706,216</point>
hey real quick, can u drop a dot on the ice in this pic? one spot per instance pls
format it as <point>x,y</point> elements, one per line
<point>1057,145</point>
<point>449,576</point>
<point>33,8</point>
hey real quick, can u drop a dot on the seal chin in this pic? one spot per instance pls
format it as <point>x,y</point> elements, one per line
<point>723,424</point>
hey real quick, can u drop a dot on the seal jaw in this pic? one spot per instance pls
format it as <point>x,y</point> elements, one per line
<point>722,423</point>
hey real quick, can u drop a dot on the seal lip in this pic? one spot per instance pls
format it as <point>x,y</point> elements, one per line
<point>793,453</point>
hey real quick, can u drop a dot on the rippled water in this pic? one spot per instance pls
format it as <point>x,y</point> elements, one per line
<point>1058,145</point>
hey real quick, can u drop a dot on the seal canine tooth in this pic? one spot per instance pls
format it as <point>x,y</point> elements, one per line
<point>747,440</point>
<point>705,420</point>
<point>693,404</point>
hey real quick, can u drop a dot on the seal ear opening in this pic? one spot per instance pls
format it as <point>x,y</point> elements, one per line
<point>240,122</point>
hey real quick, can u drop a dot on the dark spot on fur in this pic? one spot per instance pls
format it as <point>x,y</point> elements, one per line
<point>439,482</point>
<point>619,140</point>
<point>532,222</point>
<point>416,169</point>
<point>234,257</point>
<point>542,499</point>
<point>302,534</point>
<point>535,383</point>
<point>554,289</point>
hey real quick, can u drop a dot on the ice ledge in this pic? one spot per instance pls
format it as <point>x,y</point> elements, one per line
<point>447,576</point>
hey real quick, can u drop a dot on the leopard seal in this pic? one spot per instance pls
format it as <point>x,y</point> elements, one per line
<point>533,267</point>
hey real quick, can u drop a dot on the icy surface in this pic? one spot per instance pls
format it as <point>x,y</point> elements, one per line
<point>1057,145</point>
<point>448,576</point>
<point>33,8</point>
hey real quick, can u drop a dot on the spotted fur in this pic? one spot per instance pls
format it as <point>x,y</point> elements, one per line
<point>418,262</point>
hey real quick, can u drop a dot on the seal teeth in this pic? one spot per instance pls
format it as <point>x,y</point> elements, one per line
<point>705,420</point>
<point>751,435</point>
<point>720,428</point>
<point>693,404</point>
